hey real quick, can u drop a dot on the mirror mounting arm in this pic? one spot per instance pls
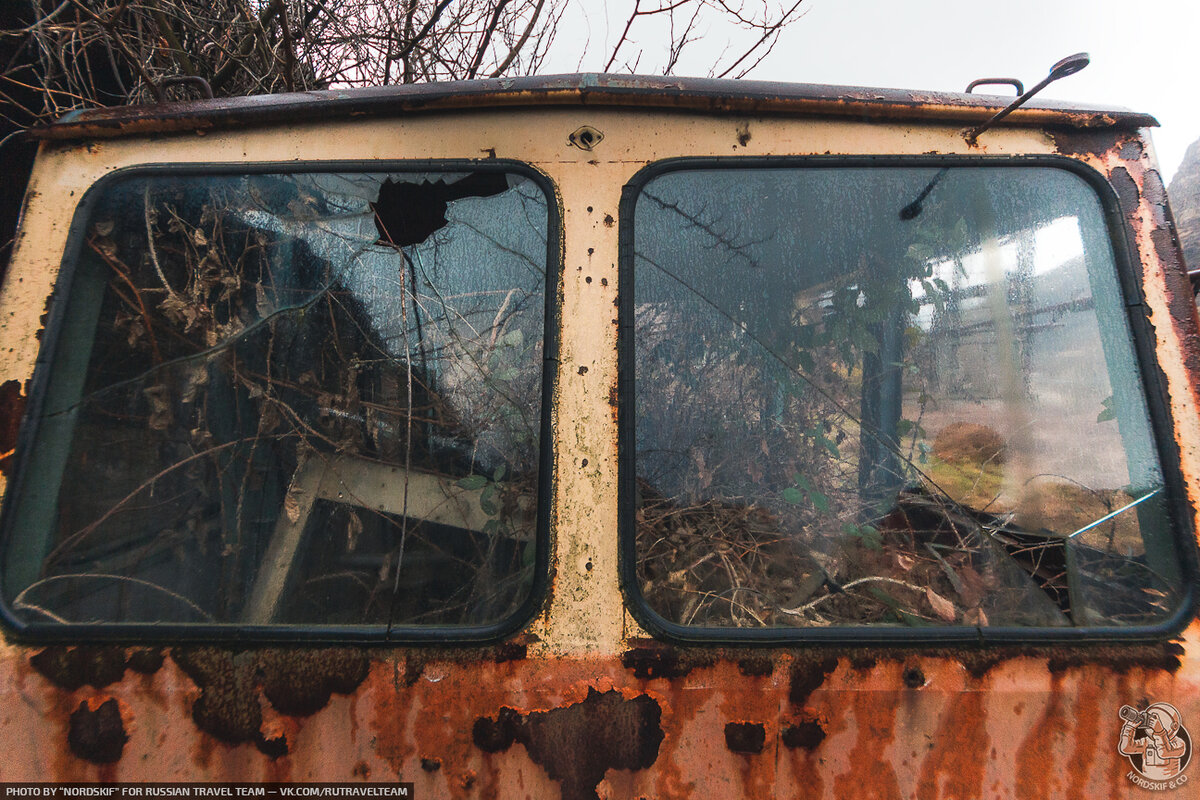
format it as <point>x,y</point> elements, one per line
<point>1067,66</point>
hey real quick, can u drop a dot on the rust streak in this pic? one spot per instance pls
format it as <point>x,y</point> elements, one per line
<point>955,763</point>
<point>873,774</point>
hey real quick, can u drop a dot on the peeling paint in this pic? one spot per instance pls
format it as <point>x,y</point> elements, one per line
<point>576,745</point>
<point>73,667</point>
<point>296,682</point>
<point>743,134</point>
<point>1083,143</point>
<point>756,666</point>
<point>1127,190</point>
<point>745,737</point>
<point>146,660</point>
<point>300,682</point>
<point>807,677</point>
<point>806,735</point>
<point>228,705</point>
<point>97,734</point>
<point>913,678</point>
<point>651,659</point>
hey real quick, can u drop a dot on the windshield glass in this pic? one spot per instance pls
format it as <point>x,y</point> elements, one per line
<point>889,396</point>
<point>306,399</point>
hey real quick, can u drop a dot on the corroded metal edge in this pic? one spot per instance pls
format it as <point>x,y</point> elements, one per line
<point>632,91</point>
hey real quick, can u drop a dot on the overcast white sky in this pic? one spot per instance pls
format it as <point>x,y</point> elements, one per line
<point>1145,53</point>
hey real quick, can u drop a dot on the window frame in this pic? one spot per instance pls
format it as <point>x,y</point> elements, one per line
<point>283,633</point>
<point>1129,277</point>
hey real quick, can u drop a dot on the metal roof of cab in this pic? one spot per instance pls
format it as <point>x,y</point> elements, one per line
<point>588,89</point>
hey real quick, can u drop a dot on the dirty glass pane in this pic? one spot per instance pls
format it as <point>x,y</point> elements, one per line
<point>311,399</point>
<point>889,396</point>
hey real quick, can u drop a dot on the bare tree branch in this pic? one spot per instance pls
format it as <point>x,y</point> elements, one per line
<point>487,38</point>
<point>81,53</point>
<point>516,48</point>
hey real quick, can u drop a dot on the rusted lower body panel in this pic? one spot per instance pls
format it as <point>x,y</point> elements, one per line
<point>663,724</point>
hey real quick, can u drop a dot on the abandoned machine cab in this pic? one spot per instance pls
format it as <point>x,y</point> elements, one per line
<point>601,436</point>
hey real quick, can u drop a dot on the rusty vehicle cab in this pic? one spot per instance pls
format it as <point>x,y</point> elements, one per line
<point>600,436</point>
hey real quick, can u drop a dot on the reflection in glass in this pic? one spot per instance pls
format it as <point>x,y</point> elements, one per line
<point>309,399</point>
<point>855,410</point>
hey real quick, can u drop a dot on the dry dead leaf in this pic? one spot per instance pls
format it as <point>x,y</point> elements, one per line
<point>941,606</point>
<point>975,616</point>
<point>973,586</point>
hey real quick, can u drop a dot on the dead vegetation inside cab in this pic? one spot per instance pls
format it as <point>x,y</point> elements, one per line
<point>927,560</point>
<point>877,435</point>
<point>267,357</point>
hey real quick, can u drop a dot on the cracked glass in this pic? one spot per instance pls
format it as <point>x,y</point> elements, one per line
<point>291,399</point>
<point>889,396</point>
